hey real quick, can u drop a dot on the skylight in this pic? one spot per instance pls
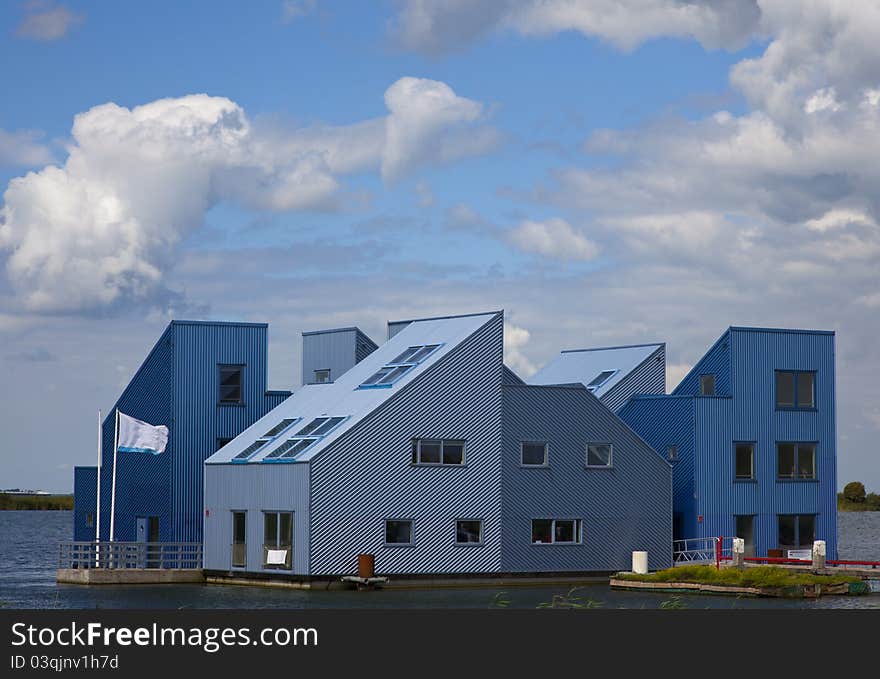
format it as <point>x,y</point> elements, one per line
<point>248,452</point>
<point>601,379</point>
<point>297,443</point>
<point>399,367</point>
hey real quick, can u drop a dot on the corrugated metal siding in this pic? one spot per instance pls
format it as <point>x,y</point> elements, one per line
<point>663,422</point>
<point>648,378</point>
<point>364,346</point>
<point>85,492</point>
<point>142,481</point>
<point>395,327</point>
<point>715,362</point>
<point>254,489</point>
<point>756,355</point>
<point>625,508</point>
<point>366,476</point>
<point>199,419</point>
<point>510,377</point>
<point>335,350</point>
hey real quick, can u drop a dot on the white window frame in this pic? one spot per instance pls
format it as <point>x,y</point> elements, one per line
<point>412,533</point>
<point>418,462</point>
<point>578,528</point>
<point>479,542</point>
<point>610,464</point>
<point>321,370</point>
<point>544,464</point>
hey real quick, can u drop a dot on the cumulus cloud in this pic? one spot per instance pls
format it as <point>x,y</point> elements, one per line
<point>23,149</point>
<point>552,238</point>
<point>429,123</point>
<point>47,21</point>
<point>101,230</point>
<point>515,341</point>
<point>438,26</point>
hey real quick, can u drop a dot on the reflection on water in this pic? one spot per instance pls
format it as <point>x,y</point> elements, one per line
<point>28,562</point>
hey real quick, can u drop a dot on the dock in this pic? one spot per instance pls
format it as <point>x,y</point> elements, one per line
<point>130,563</point>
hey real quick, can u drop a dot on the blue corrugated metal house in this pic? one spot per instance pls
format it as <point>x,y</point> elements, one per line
<point>206,381</point>
<point>436,458</point>
<point>751,434</point>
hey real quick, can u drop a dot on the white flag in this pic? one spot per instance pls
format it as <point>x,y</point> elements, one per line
<point>139,437</point>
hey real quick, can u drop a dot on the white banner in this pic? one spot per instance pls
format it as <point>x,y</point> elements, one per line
<point>136,436</point>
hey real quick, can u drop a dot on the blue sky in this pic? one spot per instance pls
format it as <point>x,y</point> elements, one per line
<point>607,172</point>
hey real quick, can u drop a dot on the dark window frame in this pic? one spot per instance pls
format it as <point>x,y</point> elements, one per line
<point>229,402</point>
<point>795,401</point>
<point>753,447</point>
<point>478,543</point>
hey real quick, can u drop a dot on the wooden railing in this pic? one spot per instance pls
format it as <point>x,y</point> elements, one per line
<point>187,555</point>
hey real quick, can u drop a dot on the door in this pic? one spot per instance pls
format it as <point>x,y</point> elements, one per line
<point>745,529</point>
<point>141,538</point>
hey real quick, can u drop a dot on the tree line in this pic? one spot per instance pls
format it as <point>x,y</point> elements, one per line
<point>855,499</point>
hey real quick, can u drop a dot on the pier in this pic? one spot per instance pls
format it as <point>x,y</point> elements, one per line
<point>129,563</point>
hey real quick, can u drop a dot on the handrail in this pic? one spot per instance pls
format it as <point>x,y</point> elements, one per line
<point>127,555</point>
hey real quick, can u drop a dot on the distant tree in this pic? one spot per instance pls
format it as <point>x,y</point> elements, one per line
<point>854,491</point>
<point>873,500</point>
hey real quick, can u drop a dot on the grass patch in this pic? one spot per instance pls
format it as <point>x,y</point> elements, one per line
<point>753,576</point>
<point>8,501</point>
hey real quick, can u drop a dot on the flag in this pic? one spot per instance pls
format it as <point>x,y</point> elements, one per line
<point>140,437</point>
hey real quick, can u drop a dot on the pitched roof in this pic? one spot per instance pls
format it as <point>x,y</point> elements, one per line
<point>584,366</point>
<point>347,397</point>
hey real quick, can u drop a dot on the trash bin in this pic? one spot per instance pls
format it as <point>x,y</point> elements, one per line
<point>366,565</point>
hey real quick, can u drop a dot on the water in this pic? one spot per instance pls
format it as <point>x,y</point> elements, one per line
<point>28,563</point>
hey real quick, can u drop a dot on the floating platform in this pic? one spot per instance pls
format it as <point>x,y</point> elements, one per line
<point>787,592</point>
<point>364,583</point>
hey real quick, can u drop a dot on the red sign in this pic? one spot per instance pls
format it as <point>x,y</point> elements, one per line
<point>699,518</point>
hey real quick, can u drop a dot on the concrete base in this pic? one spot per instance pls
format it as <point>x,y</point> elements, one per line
<point>130,576</point>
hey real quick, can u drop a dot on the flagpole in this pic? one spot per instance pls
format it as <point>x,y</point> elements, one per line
<point>98,513</point>
<point>113,484</point>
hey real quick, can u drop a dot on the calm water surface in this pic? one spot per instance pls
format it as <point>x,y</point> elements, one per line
<point>28,563</point>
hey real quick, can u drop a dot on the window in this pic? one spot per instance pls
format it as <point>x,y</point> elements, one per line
<point>533,454</point>
<point>598,454</point>
<point>707,385</point>
<point>222,441</point>
<point>556,531</point>
<point>230,384</point>
<point>672,453</point>
<point>745,461</point>
<point>795,390</point>
<point>468,532</point>
<point>298,442</point>
<point>239,540</point>
<point>277,539</point>
<point>270,435</point>
<point>322,376</point>
<point>401,365</point>
<point>398,532</point>
<point>438,451</point>
<point>601,379</point>
<point>796,460</point>
<point>797,530</point>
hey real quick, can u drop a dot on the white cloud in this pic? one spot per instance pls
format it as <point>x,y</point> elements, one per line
<point>23,148</point>
<point>101,230</point>
<point>47,21</point>
<point>552,238</point>
<point>294,9</point>
<point>675,373</point>
<point>437,26</point>
<point>429,124</point>
<point>515,341</point>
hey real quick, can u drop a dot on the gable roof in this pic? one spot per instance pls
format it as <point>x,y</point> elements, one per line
<point>582,366</point>
<point>347,397</point>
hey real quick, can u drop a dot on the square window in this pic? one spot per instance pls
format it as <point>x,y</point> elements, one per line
<point>565,531</point>
<point>542,531</point>
<point>468,532</point>
<point>745,460</point>
<point>453,452</point>
<point>230,384</point>
<point>533,454</point>
<point>707,385</point>
<point>796,460</point>
<point>322,376</point>
<point>599,455</point>
<point>398,532</point>
<point>430,452</point>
